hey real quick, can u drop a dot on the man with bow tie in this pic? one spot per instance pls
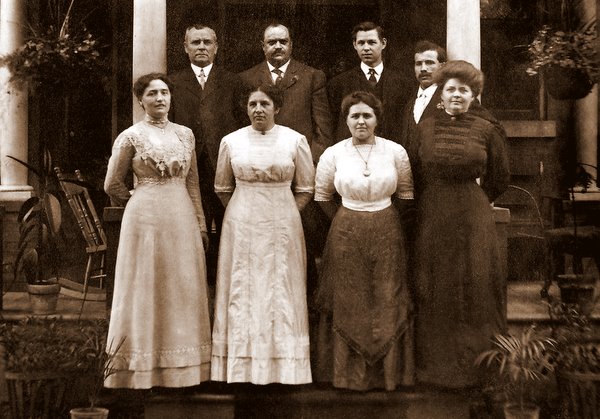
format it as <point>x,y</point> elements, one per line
<point>372,75</point>
<point>305,108</point>
<point>206,98</point>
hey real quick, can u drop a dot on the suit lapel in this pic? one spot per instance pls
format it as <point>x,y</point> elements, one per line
<point>264,75</point>
<point>431,107</point>
<point>290,77</point>
<point>363,83</point>
<point>211,85</point>
<point>191,83</point>
<point>383,80</point>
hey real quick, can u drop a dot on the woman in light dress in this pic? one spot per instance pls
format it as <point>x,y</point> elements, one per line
<point>264,177</point>
<point>160,305</point>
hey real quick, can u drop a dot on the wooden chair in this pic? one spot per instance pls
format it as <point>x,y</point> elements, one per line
<point>89,223</point>
<point>577,236</point>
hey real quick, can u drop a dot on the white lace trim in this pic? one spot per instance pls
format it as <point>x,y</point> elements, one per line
<point>161,154</point>
<point>160,180</point>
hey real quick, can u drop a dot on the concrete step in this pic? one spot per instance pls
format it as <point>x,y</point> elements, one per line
<point>310,401</point>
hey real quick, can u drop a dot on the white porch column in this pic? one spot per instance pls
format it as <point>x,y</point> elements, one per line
<point>586,132</point>
<point>13,108</point>
<point>585,110</point>
<point>149,42</point>
<point>463,37</point>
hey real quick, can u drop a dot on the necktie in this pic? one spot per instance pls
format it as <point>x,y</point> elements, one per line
<point>202,78</point>
<point>279,77</point>
<point>419,108</point>
<point>372,78</point>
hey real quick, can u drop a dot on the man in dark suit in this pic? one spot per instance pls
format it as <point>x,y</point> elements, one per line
<point>426,96</point>
<point>206,98</point>
<point>305,108</point>
<point>371,76</point>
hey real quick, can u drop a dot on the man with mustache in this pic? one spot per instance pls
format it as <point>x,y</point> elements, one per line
<point>423,103</point>
<point>305,108</point>
<point>206,98</point>
<point>371,76</point>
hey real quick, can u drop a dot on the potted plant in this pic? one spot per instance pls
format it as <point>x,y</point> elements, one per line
<point>38,252</point>
<point>567,60</point>
<point>521,361</point>
<point>42,358</point>
<point>100,358</point>
<point>53,62</point>
<point>577,360</point>
<point>57,57</point>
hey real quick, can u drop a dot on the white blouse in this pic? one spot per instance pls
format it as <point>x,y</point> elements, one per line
<point>342,167</point>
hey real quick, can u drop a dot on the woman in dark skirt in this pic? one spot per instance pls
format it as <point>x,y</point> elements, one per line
<point>365,336</point>
<point>460,296</point>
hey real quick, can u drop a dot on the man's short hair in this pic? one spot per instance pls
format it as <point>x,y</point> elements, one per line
<point>274,24</point>
<point>367,26</point>
<point>198,26</point>
<point>425,45</point>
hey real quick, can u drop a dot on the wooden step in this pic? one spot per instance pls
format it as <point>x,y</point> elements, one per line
<point>310,401</point>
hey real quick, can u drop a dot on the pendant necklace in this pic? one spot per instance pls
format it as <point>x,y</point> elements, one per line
<point>366,172</point>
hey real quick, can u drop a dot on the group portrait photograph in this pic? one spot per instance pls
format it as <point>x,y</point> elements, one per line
<point>299,209</point>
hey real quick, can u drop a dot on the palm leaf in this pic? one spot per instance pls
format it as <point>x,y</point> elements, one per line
<point>53,212</point>
<point>27,208</point>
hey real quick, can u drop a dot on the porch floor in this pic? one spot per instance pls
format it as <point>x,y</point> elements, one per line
<point>218,400</point>
<point>524,305</point>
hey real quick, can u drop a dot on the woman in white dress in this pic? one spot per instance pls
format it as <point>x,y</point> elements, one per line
<point>264,177</point>
<point>160,304</point>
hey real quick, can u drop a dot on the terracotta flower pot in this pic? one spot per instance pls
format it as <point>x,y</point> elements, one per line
<point>40,394</point>
<point>43,297</point>
<point>567,83</point>
<point>89,413</point>
<point>578,289</point>
<point>515,411</point>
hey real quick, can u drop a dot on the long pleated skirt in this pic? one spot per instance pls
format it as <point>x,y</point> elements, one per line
<point>261,319</point>
<point>160,305</point>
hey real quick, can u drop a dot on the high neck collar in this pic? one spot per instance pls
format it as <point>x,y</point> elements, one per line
<point>155,121</point>
<point>265,131</point>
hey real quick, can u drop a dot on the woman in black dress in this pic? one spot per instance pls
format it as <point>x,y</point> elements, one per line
<point>460,166</point>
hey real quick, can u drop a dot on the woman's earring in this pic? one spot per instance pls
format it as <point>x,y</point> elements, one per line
<point>440,105</point>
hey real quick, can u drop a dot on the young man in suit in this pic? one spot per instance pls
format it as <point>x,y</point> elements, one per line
<point>206,98</point>
<point>371,76</point>
<point>305,108</point>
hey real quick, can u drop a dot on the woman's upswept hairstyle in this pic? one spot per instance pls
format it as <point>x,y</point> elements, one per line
<point>461,70</point>
<point>274,93</point>
<point>365,97</point>
<point>143,81</point>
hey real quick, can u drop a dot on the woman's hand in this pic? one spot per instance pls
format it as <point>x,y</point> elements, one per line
<point>224,197</point>
<point>329,208</point>
<point>302,198</point>
<point>205,240</point>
